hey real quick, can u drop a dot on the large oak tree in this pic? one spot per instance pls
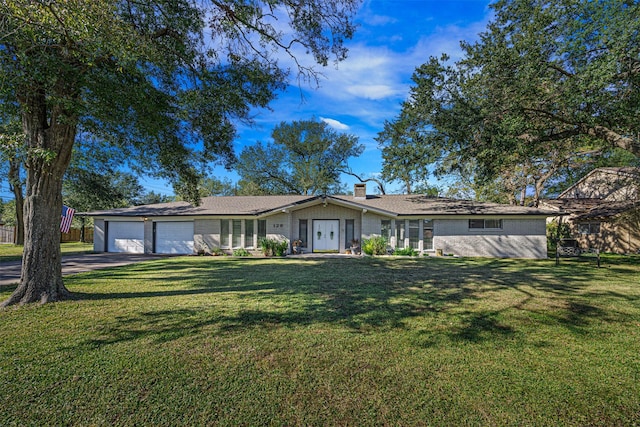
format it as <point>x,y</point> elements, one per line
<point>306,157</point>
<point>548,80</point>
<point>163,80</point>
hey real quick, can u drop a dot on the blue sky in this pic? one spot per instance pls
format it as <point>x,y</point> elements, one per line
<point>393,38</point>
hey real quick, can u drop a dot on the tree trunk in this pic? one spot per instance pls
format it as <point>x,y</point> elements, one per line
<point>50,142</point>
<point>407,185</point>
<point>15,185</point>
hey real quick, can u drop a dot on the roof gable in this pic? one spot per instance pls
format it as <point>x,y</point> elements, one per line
<point>614,184</point>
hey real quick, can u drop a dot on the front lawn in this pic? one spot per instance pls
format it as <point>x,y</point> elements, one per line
<point>373,341</point>
<point>9,252</point>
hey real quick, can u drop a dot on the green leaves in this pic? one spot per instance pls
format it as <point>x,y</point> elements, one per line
<point>547,82</point>
<point>164,80</point>
<point>305,158</point>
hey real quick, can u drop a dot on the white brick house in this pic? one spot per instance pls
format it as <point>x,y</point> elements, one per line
<point>326,224</point>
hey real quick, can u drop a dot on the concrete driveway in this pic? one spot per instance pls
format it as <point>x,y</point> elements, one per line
<point>72,264</point>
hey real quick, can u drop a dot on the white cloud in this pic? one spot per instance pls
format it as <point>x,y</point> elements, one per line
<point>335,123</point>
<point>380,20</point>
<point>371,91</point>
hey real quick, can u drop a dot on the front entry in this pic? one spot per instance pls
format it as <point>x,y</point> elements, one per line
<point>326,235</point>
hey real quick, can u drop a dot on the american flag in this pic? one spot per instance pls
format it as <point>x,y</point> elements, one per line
<point>65,219</point>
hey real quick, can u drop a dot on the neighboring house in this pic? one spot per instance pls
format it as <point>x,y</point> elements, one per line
<point>325,224</point>
<point>603,210</point>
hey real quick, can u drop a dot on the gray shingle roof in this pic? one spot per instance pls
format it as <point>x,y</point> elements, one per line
<point>219,205</point>
<point>412,204</point>
<point>584,209</point>
<point>417,204</point>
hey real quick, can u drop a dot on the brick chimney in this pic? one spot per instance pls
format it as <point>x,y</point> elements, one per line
<point>360,191</point>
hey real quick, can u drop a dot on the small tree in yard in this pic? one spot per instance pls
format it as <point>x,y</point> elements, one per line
<point>158,79</point>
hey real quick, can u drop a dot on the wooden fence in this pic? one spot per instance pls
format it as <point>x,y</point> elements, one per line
<point>8,235</point>
<point>75,235</point>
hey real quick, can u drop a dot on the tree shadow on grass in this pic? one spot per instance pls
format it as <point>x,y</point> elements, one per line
<point>361,295</point>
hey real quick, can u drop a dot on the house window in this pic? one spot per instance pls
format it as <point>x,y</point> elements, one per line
<point>262,229</point>
<point>400,231</point>
<point>248,233</point>
<point>349,232</point>
<point>302,231</point>
<point>495,224</point>
<point>236,237</point>
<point>589,228</point>
<point>414,233</point>
<point>427,235</point>
<point>224,233</point>
<point>385,229</point>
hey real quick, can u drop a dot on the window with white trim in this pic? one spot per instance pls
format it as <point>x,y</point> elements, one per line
<point>427,234</point>
<point>385,229</point>
<point>349,232</point>
<point>589,228</point>
<point>236,236</point>
<point>224,233</point>
<point>400,232</point>
<point>414,233</point>
<point>303,230</point>
<point>262,229</point>
<point>485,224</point>
<point>248,233</point>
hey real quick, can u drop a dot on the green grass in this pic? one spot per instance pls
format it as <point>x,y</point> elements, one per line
<point>10,252</point>
<point>227,341</point>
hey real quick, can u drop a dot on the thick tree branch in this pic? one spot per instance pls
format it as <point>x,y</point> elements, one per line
<point>379,183</point>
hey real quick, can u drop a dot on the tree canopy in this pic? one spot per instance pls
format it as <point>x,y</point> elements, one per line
<point>163,80</point>
<point>547,81</point>
<point>306,157</point>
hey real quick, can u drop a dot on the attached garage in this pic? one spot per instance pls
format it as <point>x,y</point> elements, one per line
<point>125,236</point>
<point>173,237</point>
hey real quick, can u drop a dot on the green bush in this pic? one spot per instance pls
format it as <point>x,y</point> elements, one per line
<point>241,252</point>
<point>376,245</point>
<point>271,247</point>
<point>406,252</point>
<point>217,252</point>
<point>266,245</point>
<point>281,248</point>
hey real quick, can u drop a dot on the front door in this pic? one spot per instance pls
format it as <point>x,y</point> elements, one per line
<point>326,235</point>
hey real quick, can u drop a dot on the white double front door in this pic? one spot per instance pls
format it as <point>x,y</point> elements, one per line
<point>326,235</point>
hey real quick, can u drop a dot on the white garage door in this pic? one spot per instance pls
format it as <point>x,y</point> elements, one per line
<point>174,237</point>
<point>126,236</point>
